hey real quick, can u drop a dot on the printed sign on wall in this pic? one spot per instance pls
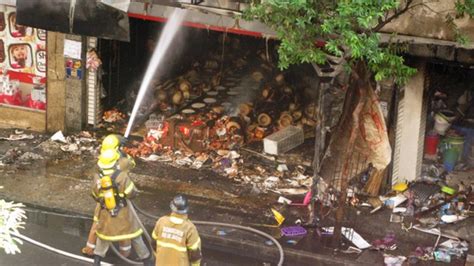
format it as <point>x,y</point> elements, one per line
<point>22,49</point>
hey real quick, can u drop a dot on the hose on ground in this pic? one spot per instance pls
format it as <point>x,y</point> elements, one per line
<point>145,232</point>
<point>57,251</point>
<point>246,228</point>
<point>122,257</point>
<point>114,249</point>
<point>236,226</point>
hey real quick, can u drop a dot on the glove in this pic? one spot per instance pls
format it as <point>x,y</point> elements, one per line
<point>123,141</point>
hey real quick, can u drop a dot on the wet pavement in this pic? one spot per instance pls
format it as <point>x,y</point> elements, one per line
<point>69,233</point>
<point>61,183</point>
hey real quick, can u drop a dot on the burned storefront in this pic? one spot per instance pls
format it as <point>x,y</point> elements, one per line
<point>218,101</point>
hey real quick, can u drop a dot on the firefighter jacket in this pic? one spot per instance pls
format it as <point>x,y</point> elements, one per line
<point>177,241</point>
<point>126,162</point>
<point>124,225</point>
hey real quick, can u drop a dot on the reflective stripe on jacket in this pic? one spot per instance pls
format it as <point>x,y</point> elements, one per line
<point>177,241</point>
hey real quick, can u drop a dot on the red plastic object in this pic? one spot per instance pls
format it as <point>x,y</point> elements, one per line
<point>306,200</point>
<point>431,144</point>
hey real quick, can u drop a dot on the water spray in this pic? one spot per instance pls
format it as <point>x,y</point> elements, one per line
<point>167,35</point>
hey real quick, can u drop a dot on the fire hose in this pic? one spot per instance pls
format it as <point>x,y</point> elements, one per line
<point>147,236</point>
<point>235,226</point>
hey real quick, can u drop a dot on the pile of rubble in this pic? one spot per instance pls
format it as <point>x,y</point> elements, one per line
<point>431,204</point>
<point>231,164</point>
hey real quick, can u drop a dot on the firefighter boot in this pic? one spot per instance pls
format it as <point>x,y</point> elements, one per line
<point>87,251</point>
<point>97,260</point>
<point>150,261</point>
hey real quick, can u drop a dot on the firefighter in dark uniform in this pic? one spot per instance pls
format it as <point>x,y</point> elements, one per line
<point>177,239</point>
<point>115,221</point>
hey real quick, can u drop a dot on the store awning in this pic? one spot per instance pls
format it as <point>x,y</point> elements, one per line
<point>103,19</point>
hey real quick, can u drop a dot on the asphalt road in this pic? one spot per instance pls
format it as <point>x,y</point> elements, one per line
<point>69,234</point>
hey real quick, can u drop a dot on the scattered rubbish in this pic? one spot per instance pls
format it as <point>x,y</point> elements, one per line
<point>434,231</point>
<point>271,182</point>
<point>113,115</point>
<point>423,253</point>
<point>423,191</point>
<point>448,190</point>
<point>395,218</point>
<point>70,147</point>
<point>386,243</point>
<point>351,235</point>
<point>269,243</point>
<point>452,218</point>
<point>186,161</point>
<point>442,256</point>
<point>157,158</point>
<point>306,200</point>
<point>400,187</point>
<point>454,248</point>
<point>30,156</point>
<point>58,136</point>
<point>391,260</point>
<point>352,250</point>
<point>292,231</point>
<point>292,191</point>
<point>221,233</point>
<point>278,216</point>
<point>394,201</point>
<point>284,200</point>
<point>399,210</point>
<point>18,137</point>
<point>282,168</point>
<point>292,242</point>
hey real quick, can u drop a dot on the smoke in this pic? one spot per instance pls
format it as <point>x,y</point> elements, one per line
<point>247,90</point>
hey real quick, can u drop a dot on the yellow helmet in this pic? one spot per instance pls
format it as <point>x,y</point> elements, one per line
<point>108,158</point>
<point>112,141</point>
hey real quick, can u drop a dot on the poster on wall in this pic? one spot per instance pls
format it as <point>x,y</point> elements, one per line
<point>23,54</point>
<point>22,49</point>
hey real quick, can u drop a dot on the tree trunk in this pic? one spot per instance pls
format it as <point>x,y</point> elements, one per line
<point>358,85</point>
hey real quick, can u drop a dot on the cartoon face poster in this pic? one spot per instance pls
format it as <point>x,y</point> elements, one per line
<point>17,31</point>
<point>22,48</point>
<point>20,55</point>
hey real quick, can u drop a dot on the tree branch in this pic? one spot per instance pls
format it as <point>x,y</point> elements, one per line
<point>394,16</point>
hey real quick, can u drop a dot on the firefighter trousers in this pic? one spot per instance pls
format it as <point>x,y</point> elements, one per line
<point>102,246</point>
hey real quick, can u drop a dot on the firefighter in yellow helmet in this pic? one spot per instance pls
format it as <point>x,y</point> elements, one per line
<point>177,239</point>
<point>115,221</point>
<point>124,163</point>
<point>115,142</point>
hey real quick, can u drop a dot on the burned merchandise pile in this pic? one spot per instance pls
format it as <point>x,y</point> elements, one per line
<point>208,114</point>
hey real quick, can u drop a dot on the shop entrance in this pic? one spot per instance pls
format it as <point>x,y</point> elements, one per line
<point>449,141</point>
<point>212,103</point>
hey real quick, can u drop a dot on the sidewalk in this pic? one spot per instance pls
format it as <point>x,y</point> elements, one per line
<point>62,183</point>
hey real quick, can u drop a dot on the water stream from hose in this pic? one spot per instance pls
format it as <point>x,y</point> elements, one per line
<point>167,35</point>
